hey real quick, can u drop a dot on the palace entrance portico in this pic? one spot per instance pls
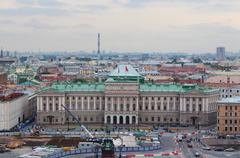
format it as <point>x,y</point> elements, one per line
<point>121,119</point>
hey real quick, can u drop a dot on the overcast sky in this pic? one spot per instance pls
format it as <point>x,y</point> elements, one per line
<point>125,25</point>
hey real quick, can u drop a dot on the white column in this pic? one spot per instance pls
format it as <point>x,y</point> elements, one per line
<point>111,119</point>
<point>203,104</point>
<point>47,104</point>
<point>38,103</point>
<point>130,120</point>
<point>88,103</point>
<point>82,103</point>
<point>118,119</point>
<point>60,103</point>
<point>168,106</point>
<point>155,103</point>
<point>196,104</point>
<point>94,103</point>
<point>174,104</point>
<point>106,103</point>
<point>149,103</point>
<point>124,104</point>
<point>53,104</point>
<point>105,119</point>
<point>100,103</point>
<point>124,119</point>
<point>118,105</point>
<point>181,104</point>
<point>76,103</point>
<point>184,104</point>
<point>41,104</point>
<point>131,104</point>
<point>137,104</point>
<point>63,102</point>
<point>207,106</point>
<point>136,119</point>
<point>161,103</point>
<point>70,102</point>
<point>143,105</point>
<point>112,107</point>
<point>190,105</point>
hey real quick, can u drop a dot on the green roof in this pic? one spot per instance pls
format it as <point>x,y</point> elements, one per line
<point>100,87</point>
<point>174,88</point>
<point>70,87</point>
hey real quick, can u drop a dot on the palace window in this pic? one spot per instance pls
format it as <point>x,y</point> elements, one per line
<point>121,107</point>
<point>134,107</point>
<point>56,106</point>
<point>200,107</point>
<point>128,107</point>
<point>152,118</point>
<point>152,107</point>
<point>164,107</point>
<point>187,107</point>
<point>44,107</point>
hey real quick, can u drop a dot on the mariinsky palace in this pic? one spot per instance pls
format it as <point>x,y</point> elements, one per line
<point>124,98</point>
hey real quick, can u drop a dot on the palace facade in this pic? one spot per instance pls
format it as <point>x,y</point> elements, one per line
<point>124,98</point>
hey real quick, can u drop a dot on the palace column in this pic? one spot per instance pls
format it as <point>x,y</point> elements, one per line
<point>111,119</point>
<point>53,105</point>
<point>124,119</point>
<point>47,104</point>
<point>130,120</point>
<point>118,119</point>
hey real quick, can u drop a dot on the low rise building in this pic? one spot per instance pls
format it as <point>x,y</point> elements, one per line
<point>228,118</point>
<point>124,98</point>
<point>14,110</point>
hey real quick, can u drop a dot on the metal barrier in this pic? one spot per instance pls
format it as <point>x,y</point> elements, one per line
<point>92,150</point>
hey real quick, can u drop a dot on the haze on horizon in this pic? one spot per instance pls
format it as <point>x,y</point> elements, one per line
<point>125,25</point>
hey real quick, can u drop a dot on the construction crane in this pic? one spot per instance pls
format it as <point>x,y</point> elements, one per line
<point>81,125</point>
<point>106,144</point>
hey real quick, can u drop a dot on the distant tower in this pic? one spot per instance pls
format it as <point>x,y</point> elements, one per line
<point>220,53</point>
<point>98,51</point>
<point>1,53</point>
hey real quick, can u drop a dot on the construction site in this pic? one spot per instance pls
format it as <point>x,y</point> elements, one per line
<point>42,142</point>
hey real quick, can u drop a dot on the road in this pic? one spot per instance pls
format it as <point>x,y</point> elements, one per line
<point>197,147</point>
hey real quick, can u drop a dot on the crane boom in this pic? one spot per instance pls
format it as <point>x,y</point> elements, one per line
<point>81,125</point>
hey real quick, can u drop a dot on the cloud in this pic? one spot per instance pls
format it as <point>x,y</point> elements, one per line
<point>48,3</point>
<point>30,11</point>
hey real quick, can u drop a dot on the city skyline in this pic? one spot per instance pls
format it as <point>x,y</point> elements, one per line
<point>125,25</point>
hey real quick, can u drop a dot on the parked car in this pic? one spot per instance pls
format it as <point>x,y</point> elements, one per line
<point>189,145</point>
<point>206,148</point>
<point>197,154</point>
<point>219,149</point>
<point>230,149</point>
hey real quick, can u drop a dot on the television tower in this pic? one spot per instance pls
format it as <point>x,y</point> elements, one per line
<point>98,51</point>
